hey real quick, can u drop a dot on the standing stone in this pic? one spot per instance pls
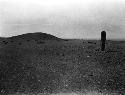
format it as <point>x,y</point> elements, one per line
<point>103,40</point>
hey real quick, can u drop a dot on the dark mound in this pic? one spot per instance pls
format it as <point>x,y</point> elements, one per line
<point>35,36</point>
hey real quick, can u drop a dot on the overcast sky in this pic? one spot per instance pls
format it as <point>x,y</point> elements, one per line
<point>63,18</point>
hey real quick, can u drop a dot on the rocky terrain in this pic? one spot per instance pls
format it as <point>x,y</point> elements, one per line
<point>42,63</point>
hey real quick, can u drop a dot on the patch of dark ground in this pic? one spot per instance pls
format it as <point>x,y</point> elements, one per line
<point>54,69</point>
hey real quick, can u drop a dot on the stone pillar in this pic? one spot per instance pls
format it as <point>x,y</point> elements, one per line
<point>103,40</point>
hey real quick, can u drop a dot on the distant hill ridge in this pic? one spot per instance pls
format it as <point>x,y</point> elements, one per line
<point>34,36</point>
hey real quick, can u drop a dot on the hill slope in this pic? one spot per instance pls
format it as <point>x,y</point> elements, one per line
<point>34,36</point>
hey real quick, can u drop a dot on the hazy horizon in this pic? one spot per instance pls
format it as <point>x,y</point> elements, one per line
<point>76,19</point>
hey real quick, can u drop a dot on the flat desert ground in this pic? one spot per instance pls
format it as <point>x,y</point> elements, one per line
<point>65,67</point>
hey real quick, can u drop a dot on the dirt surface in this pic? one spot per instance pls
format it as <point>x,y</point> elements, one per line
<point>30,66</point>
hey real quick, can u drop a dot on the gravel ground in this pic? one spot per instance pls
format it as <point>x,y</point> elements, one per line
<point>62,66</point>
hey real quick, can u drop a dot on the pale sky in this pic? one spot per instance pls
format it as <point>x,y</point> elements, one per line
<point>63,18</point>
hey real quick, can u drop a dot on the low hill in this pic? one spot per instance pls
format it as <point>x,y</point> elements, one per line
<point>34,36</point>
